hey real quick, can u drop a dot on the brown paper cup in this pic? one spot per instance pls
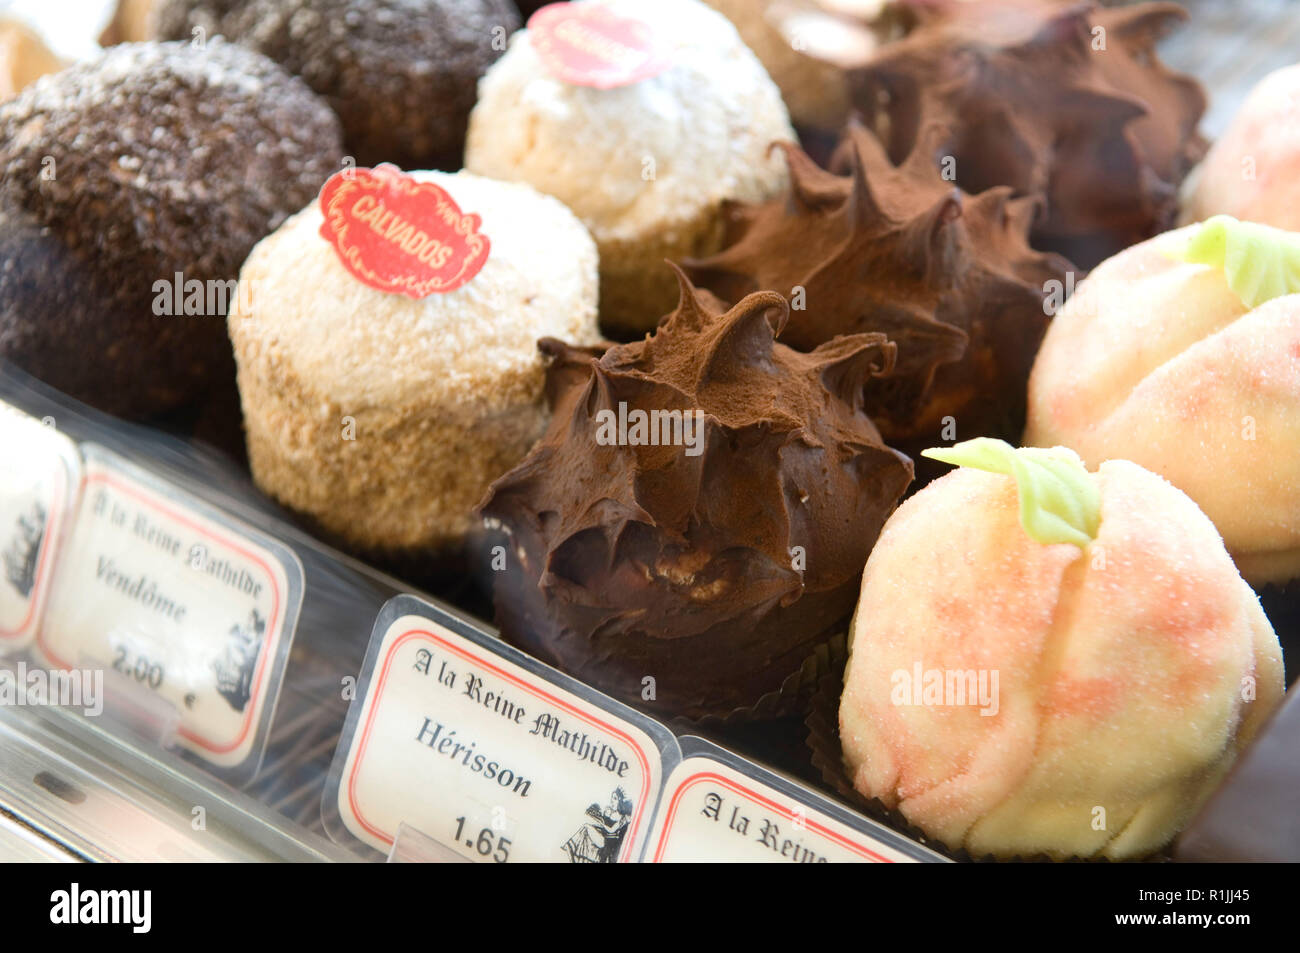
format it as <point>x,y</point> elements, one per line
<point>828,658</point>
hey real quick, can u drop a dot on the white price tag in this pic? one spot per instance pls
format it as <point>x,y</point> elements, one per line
<point>180,600</point>
<point>488,752</point>
<point>717,808</point>
<point>39,479</point>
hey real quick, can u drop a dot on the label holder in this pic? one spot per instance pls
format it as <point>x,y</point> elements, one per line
<point>407,605</point>
<point>57,513</point>
<point>147,724</point>
<point>412,846</point>
<point>702,752</point>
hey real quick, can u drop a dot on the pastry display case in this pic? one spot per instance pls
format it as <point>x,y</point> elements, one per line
<point>627,431</point>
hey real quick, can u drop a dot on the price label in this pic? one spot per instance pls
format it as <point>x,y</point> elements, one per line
<point>39,478</point>
<point>489,752</point>
<point>717,807</point>
<point>180,600</point>
<point>588,44</point>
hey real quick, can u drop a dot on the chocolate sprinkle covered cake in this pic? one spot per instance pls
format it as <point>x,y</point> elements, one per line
<point>401,74</point>
<point>129,181</point>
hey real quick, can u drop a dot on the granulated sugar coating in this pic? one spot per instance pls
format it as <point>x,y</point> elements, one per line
<point>401,74</point>
<point>444,393</point>
<point>151,161</point>
<point>1121,667</point>
<point>1157,361</point>
<point>1250,172</point>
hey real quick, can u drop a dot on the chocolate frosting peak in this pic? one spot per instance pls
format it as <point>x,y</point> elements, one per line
<point>679,558</point>
<point>947,277</point>
<point>1066,102</point>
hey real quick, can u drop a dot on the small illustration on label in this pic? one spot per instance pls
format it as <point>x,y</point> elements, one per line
<point>24,547</point>
<point>589,45</point>
<point>235,667</point>
<point>400,235</point>
<point>600,839</point>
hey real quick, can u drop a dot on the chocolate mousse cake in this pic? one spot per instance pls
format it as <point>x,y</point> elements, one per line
<point>948,277</point>
<point>1065,101</point>
<point>693,524</point>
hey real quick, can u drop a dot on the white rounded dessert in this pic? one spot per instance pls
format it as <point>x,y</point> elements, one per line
<point>646,166</point>
<point>1156,360</point>
<point>1253,171</point>
<point>382,417</point>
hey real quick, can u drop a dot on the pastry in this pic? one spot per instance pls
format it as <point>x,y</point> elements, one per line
<point>384,416</point>
<point>131,23</point>
<point>24,58</point>
<point>692,525</point>
<point>646,163</point>
<point>400,74</point>
<point>1067,102</point>
<point>949,277</point>
<point>1048,661</point>
<point>806,45</point>
<point>1182,354</point>
<point>134,186</point>
<point>1250,173</point>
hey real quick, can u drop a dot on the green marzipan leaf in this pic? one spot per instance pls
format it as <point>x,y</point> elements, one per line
<point>1059,502</point>
<point>1259,262</point>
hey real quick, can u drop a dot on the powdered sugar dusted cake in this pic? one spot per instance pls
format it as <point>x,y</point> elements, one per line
<point>646,165</point>
<point>385,417</point>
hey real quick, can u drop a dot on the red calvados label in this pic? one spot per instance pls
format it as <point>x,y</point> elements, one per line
<point>587,44</point>
<point>399,235</point>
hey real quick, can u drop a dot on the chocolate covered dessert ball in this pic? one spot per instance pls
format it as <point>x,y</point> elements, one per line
<point>646,164</point>
<point>1047,660</point>
<point>700,508</point>
<point>381,416</point>
<point>1068,102</point>
<point>134,185</point>
<point>1182,354</point>
<point>949,277</point>
<point>401,74</point>
<point>1253,171</point>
